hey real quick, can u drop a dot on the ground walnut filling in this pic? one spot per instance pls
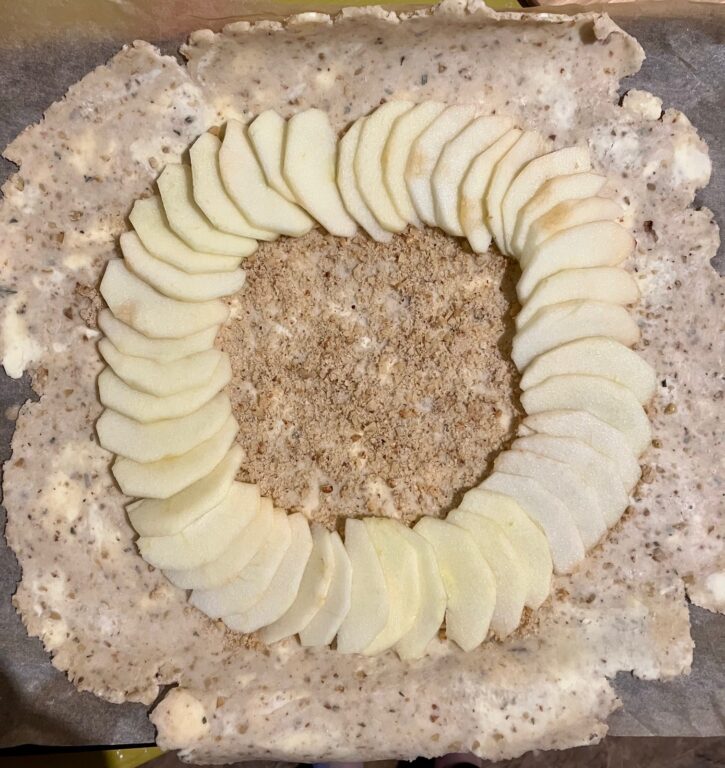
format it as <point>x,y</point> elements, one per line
<point>373,378</point>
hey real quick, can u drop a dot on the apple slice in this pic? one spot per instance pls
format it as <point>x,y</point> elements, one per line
<point>565,541</point>
<point>165,517</point>
<point>246,184</point>
<point>612,284</point>
<point>161,479</point>
<point>594,469</point>
<point>467,578</point>
<point>245,589</point>
<point>117,395</point>
<point>454,162</point>
<point>399,561</point>
<point>599,244</point>
<point>530,145</point>
<point>189,223</point>
<point>571,213</point>
<point>424,154</point>
<point>526,537</point>
<point>605,399</point>
<point>537,171</point>
<point>433,600</point>
<point>210,194</point>
<point>559,324</point>
<point>149,312</point>
<point>369,601</point>
<point>574,186</point>
<point>323,626</point>
<point>312,591</point>
<point>267,134</point>
<point>161,439</point>
<point>472,209</point>
<point>309,162</point>
<point>403,133</point>
<point>205,538</point>
<point>506,565</point>
<point>347,184</point>
<point>282,590</point>
<point>149,220</point>
<point>368,163</point>
<point>556,477</point>
<point>130,342</point>
<point>590,430</point>
<point>237,554</point>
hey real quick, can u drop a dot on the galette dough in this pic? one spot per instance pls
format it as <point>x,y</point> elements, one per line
<point>119,629</point>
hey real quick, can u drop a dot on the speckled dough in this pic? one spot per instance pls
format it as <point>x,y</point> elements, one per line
<point>118,628</point>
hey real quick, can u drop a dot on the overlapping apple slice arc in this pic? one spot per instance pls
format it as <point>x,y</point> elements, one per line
<point>565,480</point>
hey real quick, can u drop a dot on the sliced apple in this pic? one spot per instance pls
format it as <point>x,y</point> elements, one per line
<point>245,589</point>
<point>529,146</point>
<point>347,184</point>
<point>149,220</point>
<point>559,324</point>
<point>237,554</point>
<point>267,133</point>
<point>605,399</point>
<point>599,244</point>
<point>424,154</point>
<point>506,565</point>
<point>368,163</point>
<point>472,209</point>
<point>527,180</point>
<point>399,561</point>
<point>403,133</point>
<point>594,469</point>
<point>312,591</point>
<point>189,223</point>
<point>323,626</point>
<point>210,194</point>
<point>565,542</point>
<point>246,184</point>
<point>612,284</point>
<point>369,600</point>
<point>574,186</point>
<point>135,344</point>
<point>165,517</point>
<point>526,537</point>
<point>205,538</point>
<point>556,477</point>
<point>282,590</point>
<point>467,578</point>
<point>594,432</point>
<point>164,478</point>
<point>149,312</point>
<point>116,394</point>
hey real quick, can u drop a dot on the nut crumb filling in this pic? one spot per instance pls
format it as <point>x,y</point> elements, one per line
<point>371,378</point>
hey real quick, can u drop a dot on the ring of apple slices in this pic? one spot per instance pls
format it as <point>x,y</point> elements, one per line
<point>551,496</point>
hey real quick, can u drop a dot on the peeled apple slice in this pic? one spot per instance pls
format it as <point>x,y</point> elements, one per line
<point>403,133</point>
<point>454,162</point>
<point>282,590</point>
<point>165,517</point>
<point>467,578</point>
<point>559,324</point>
<point>309,162</point>
<point>595,356</point>
<point>267,134</point>
<point>164,478</point>
<point>189,223</point>
<point>152,314</point>
<point>312,591</point>
<point>368,163</point>
<point>205,538</point>
<point>369,601</point>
